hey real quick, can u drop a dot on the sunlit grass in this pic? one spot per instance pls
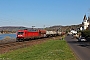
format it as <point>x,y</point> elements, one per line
<point>50,50</point>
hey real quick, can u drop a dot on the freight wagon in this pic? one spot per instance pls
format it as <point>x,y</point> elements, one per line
<point>51,33</point>
<point>33,34</point>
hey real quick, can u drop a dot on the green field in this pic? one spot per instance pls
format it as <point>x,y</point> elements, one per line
<point>50,50</point>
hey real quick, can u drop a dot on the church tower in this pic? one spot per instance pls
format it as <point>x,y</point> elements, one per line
<point>85,22</point>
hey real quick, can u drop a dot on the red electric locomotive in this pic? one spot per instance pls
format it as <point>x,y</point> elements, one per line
<point>30,34</point>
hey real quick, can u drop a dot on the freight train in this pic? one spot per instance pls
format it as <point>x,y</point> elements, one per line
<point>25,34</point>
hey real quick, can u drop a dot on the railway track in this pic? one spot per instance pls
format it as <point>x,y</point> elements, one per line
<point>16,45</point>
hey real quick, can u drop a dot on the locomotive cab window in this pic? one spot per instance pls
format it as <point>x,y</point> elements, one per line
<point>33,30</point>
<point>20,33</point>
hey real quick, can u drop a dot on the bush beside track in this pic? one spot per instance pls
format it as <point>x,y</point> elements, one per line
<point>49,50</point>
<point>86,34</point>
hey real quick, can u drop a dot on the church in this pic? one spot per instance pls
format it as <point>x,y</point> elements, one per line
<point>85,23</point>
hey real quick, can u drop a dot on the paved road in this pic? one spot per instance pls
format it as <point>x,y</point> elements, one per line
<point>81,49</point>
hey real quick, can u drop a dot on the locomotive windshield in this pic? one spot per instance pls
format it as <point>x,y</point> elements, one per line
<point>20,33</point>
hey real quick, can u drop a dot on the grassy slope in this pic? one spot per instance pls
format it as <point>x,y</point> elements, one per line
<point>50,50</point>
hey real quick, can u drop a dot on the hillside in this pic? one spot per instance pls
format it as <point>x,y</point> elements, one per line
<point>11,28</point>
<point>58,27</point>
<point>64,28</point>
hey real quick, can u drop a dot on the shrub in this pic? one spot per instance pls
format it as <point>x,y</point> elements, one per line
<point>7,37</point>
<point>85,33</point>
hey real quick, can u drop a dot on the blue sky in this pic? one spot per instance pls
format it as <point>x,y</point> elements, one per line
<point>42,12</point>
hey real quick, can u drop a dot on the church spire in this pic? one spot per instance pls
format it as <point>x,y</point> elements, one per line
<point>85,18</point>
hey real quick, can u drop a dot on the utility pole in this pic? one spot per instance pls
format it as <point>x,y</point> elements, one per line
<point>33,26</point>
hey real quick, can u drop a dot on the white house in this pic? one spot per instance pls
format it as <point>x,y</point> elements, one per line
<point>73,32</point>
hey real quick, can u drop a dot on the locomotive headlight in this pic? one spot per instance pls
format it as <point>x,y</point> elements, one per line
<point>20,35</point>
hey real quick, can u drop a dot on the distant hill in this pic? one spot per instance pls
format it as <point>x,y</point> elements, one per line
<point>58,27</point>
<point>64,28</point>
<point>11,28</point>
